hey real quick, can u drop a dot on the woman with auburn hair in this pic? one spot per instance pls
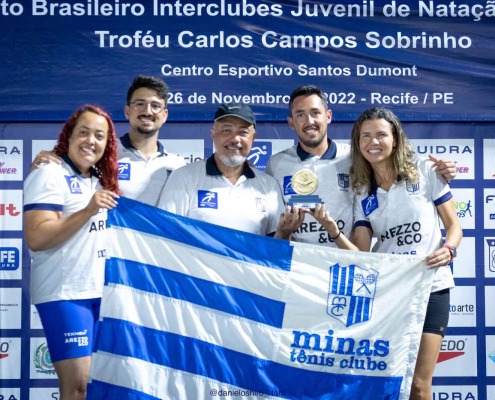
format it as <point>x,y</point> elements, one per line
<point>65,212</point>
<point>394,188</point>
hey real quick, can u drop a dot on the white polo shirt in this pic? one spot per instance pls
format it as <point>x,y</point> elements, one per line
<point>75,269</point>
<point>200,191</point>
<point>332,170</point>
<point>141,179</point>
<point>405,219</point>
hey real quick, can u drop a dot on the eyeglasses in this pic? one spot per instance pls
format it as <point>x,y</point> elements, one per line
<point>141,105</point>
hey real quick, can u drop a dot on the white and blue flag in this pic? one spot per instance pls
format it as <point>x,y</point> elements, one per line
<point>191,310</point>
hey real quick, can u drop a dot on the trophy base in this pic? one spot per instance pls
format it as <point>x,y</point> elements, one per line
<point>309,201</point>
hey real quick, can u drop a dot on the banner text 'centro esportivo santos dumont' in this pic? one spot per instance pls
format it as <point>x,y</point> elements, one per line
<point>427,60</point>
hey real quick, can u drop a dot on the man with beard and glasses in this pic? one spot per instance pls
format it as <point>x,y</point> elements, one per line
<point>224,189</point>
<point>325,161</point>
<point>144,165</point>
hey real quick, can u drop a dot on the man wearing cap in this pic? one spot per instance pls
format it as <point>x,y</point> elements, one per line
<point>224,189</point>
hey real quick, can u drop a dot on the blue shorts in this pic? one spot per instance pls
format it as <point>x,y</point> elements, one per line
<point>70,327</point>
<point>437,313</point>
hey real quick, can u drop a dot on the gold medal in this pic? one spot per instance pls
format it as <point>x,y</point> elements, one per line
<point>304,181</point>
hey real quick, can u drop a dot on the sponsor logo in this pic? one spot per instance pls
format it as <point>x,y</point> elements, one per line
<point>42,361</point>
<point>315,349</point>
<point>412,188</point>
<point>11,160</point>
<point>8,209</point>
<point>73,184</point>
<point>455,393</point>
<point>489,198</point>
<point>78,338</point>
<point>369,204</point>
<point>9,259</point>
<point>451,348</point>
<point>189,149</point>
<point>491,356</point>
<point>260,154</point>
<point>464,209</point>
<point>459,150</point>
<point>351,293</point>
<point>10,355</point>
<point>190,158</point>
<point>44,393</point>
<point>207,199</point>
<point>124,171</point>
<point>10,308</point>
<point>6,170</point>
<point>462,170</point>
<point>7,151</point>
<point>462,309</point>
<point>343,180</point>
<point>440,149</point>
<point>288,185</point>
<point>4,350</point>
<point>464,202</point>
<point>10,393</point>
<point>491,254</point>
<point>8,397</point>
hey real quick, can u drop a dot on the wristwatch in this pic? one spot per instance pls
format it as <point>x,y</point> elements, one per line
<point>453,251</point>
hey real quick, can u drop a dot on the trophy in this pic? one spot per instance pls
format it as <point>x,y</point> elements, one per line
<point>304,182</point>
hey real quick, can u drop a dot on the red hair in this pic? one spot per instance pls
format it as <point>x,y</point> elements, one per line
<point>107,165</point>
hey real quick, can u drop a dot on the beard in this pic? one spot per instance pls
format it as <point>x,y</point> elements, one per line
<point>146,131</point>
<point>147,127</point>
<point>312,143</point>
<point>232,160</point>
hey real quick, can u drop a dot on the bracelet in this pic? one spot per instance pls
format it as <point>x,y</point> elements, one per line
<point>336,237</point>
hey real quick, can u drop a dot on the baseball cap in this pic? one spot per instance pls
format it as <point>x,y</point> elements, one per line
<point>239,110</point>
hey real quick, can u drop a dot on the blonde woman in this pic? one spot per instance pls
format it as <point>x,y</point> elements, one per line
<point>399,199</point>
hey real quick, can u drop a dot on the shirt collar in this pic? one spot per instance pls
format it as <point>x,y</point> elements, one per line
<point>330,154</point>
<point>126,142</point>
<point>92,170</point>
<point>212,168</point>
<point>374,185</point>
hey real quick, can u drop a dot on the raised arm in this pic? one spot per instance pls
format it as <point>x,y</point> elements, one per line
<point>445,168</point>
<point>44,157</point>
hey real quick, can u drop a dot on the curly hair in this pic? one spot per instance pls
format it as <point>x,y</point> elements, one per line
<point>402,162</point>
<point>107,166</point>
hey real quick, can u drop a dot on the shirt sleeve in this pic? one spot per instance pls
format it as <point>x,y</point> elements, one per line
<point>359,218</point>
<point>175,196</point>
<point>43,189</point>
<point>439,188</point>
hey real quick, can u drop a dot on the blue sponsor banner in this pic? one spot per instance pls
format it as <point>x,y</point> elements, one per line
<point>9,258</point>
<point>427,60</point>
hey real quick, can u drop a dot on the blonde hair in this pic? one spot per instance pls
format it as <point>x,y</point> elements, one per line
<point>402,160</point>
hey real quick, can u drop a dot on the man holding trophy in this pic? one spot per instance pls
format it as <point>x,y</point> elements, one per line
<point>316,169</point>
